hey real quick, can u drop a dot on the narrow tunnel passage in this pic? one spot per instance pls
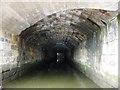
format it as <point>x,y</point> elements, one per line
<point>67,48</point>
<point>56,71</point>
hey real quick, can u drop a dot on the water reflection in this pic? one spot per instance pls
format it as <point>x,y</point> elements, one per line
<point>55,75</point>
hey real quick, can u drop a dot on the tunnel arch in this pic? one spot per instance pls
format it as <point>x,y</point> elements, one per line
<point>82,31</point>
<point>74,25</point>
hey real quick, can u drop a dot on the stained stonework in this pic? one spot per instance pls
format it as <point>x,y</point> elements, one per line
<point>102,56</point>
<point>89,31</point>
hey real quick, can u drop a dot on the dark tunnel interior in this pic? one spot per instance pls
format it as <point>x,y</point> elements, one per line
<point>54,49</point>
<point>60,32</point>
<point>56,38</point>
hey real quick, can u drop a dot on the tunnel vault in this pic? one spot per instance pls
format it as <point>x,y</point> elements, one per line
<point>79,34</point>
<point>71,27</point>
<point>82,35</point>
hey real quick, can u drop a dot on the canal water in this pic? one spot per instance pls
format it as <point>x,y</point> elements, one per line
<point>57,75</point>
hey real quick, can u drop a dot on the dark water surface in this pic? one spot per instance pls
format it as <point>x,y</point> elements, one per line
<point>56,75</point>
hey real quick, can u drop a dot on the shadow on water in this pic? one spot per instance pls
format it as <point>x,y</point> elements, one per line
<point>52,75</point>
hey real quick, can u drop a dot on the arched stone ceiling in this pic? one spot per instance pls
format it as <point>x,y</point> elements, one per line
<point>17,16</point>
<point>73,25</point>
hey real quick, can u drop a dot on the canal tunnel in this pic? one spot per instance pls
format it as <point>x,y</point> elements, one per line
<point>59,45</point>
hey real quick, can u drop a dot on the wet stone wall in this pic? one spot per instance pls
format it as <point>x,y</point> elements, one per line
<point>97,57</point>
<point>15,57</point>
<point>8,55</point>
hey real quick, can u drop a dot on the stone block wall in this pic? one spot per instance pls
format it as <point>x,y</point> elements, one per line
<point>8,54</point>
<point>12,61</point>
<point>97,57</point>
